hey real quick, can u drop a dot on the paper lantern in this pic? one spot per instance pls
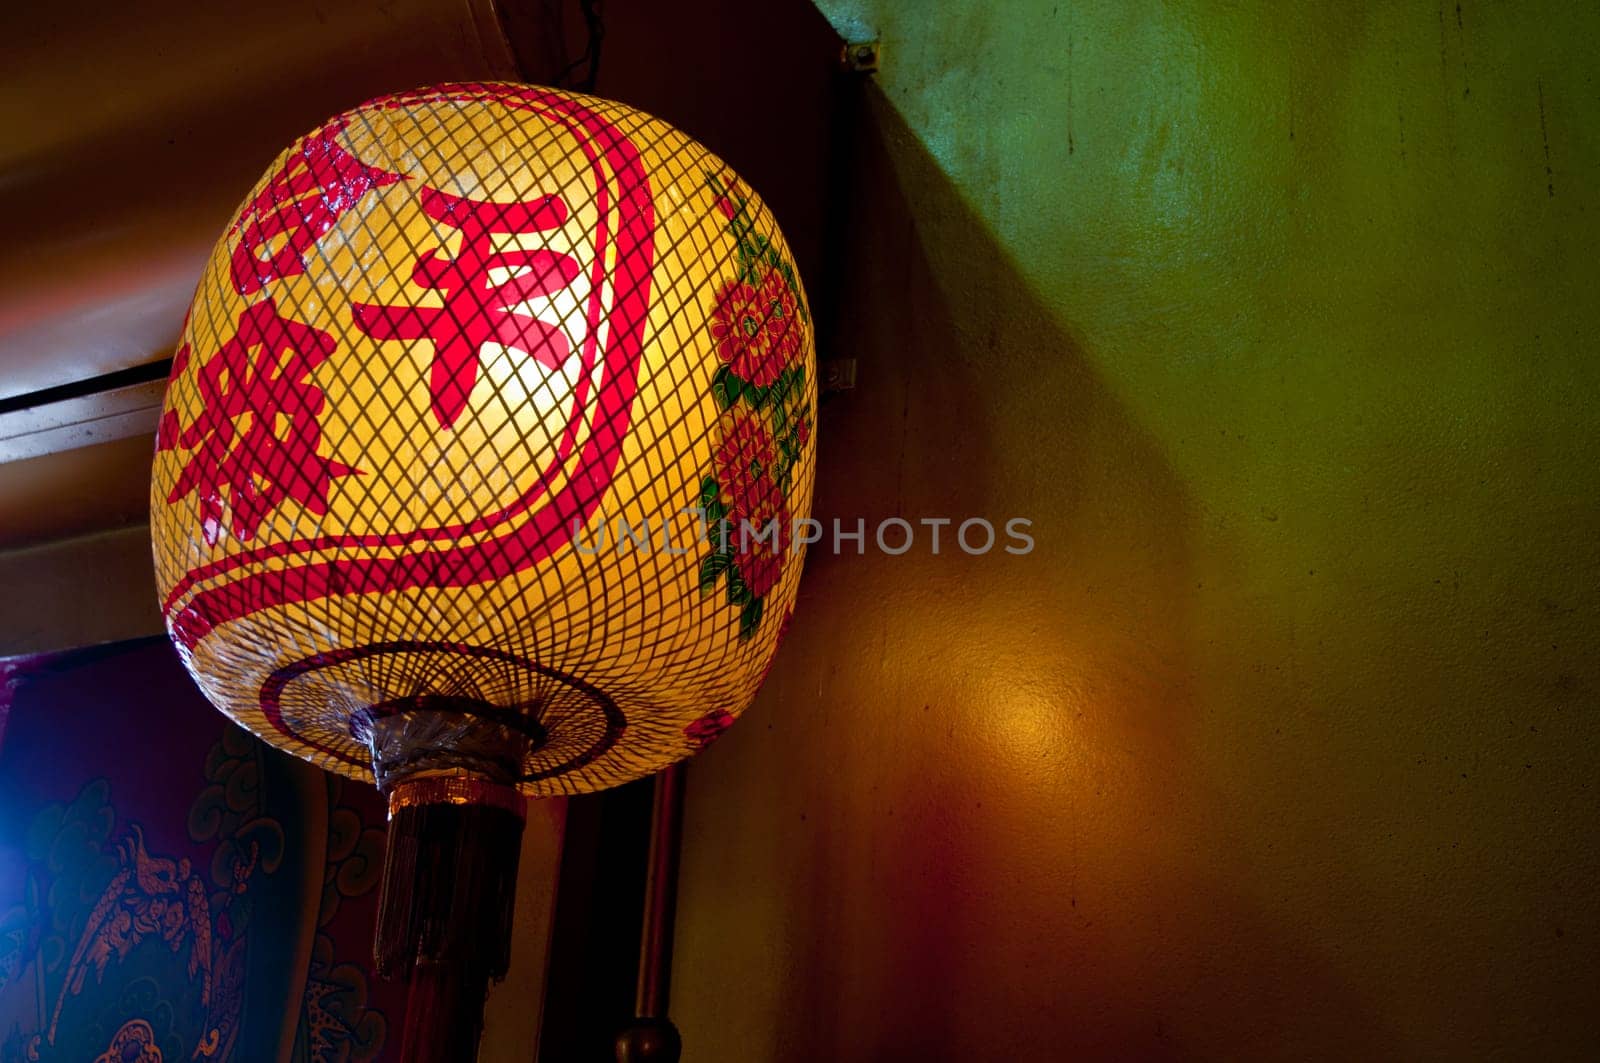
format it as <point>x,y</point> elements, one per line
<point>483,448</point>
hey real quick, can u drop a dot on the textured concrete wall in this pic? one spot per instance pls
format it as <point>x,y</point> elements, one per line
<point>1279,320</point>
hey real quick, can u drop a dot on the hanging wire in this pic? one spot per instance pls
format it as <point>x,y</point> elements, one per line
<point>589,61</point>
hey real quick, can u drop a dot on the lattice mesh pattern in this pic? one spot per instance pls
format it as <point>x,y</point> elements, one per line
<point>452,344</point>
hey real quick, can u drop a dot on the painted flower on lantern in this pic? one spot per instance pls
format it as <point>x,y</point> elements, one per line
<point>761,539</point>
<point>746,506</point>
<point>758,323</point>
<point>744,463</point>
<point>708,728</point>
<point>756,328</point>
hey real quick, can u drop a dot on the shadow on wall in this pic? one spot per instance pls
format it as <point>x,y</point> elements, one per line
<point>950,829</point>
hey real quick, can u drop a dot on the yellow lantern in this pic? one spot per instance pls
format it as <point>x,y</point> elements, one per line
<point>484,446</point>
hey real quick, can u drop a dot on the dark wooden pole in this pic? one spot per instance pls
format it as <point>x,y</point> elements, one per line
<point>444,1013</point>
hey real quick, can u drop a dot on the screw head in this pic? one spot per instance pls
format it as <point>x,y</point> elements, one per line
<point>861,56</point>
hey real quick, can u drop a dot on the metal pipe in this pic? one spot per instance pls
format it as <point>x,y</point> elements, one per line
<point>660,896</point>
<point>651,1036</point>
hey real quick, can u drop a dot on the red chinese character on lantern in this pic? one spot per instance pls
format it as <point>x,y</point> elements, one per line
<point>319,182</point>
<point>478,307</point>
<point>257,432</point>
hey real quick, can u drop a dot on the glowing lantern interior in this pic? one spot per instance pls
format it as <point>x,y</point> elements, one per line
<point>453,342</point>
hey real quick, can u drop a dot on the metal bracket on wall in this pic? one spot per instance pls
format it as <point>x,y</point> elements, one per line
<point>859,57</point>
<point>836,374</point>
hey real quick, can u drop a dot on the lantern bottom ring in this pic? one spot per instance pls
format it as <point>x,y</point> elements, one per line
<point>456,789</point>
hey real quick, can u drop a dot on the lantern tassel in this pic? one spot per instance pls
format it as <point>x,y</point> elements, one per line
<point>444,915</point>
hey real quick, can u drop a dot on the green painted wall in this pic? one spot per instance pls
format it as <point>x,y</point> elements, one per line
<point>1280,322</point>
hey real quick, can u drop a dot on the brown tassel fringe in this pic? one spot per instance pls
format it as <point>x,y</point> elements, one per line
<point>444,919</point>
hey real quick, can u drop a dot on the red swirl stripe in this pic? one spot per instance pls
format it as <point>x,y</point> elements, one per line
<point>548,529</point>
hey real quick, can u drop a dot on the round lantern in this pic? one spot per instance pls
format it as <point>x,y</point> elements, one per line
<point>481,460</point>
